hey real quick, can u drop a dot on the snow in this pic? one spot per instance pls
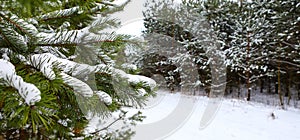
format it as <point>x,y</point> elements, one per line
<point>104,97</point>
<point>46,61</point>
<point>142,92</point>
<point>235,120</point>
<point>78,86</point>
<point>29,92</point>
<point>128,66</point>
<point>138,78</point>
<point>119,2</point>
<point>134,27</point>
<point>5,56</point>
<point>135,79</point>
<point>65,12</point>
<point>173,116</point>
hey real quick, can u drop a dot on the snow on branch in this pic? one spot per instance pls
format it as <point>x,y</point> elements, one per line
<point>78,86</point>
<point>43,62</point>
<point>135,79</point>
<point>60,13</point>
<point>104,97</point>
<point>59,38</point>
<point>286,62</point>
<point>115,6</point>
<point>21,24</point>
<point>46,61</point>
<point>86,36</point>
<point>29,92</point>
<point>12,37</point>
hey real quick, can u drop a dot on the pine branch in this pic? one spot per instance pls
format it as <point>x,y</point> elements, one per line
<point>77,44</point>
<point>286,62</point>
<point>61,37</point>
<point>291,45</point>
<point>12,37</point>
<point>104,97</point>
<point>29,92</point>
<point>105,59</point>
<point>78,86</point>
<point>109,125</point>
<point>59,14</point>
<point>22,25</point>
<point>116,8</point>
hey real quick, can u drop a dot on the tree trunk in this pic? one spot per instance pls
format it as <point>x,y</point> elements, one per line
<point>276,87</point>
<point>207,90</point>
<point>248,68</point>
<point>289,88</point>
<point>286,89</point>
<point>239,87</point>
<point>269,85</point>
<point>298,91</point>
<point>279,92</point>
<point>262,85</point>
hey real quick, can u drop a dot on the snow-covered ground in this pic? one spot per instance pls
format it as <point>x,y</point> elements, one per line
<point>235,120</point>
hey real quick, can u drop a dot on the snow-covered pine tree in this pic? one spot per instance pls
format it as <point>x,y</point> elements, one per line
<point>242,28</point>
<point>185,58</point>
<point>283,45</point>
<point>195,45</point>
<point>161,35</point>
<point>57,70</point>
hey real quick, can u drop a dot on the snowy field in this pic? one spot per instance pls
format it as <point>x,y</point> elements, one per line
<point>235,120</point>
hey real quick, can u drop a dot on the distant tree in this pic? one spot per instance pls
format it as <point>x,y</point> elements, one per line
<point>284,42</point>
<point>194,41</point>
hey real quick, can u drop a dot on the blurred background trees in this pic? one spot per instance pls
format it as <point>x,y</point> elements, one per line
<point>259,38</point>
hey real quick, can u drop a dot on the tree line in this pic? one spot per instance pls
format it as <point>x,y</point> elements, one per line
<point>260,40</point>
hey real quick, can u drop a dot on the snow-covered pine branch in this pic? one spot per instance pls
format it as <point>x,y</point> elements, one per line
<point>21,24</point>
<point>47,62</point>
<point>59,38</point>
<point>104,97</point>
<point>135,79</point>
<point>41,61</point>
<point>11,37</point>
<point>29,92</point>
<point>60,14</point>
<point>78,86</point>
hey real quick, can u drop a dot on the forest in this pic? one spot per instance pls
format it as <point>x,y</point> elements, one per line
<point>259,41</point>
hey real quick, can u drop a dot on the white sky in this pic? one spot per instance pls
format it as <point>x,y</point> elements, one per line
<point>132,17</point>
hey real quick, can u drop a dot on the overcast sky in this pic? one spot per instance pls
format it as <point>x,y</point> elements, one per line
<point>132,17</point>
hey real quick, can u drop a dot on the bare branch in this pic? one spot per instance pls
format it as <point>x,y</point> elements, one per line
<point>291,45</point>
<point>286,62</point>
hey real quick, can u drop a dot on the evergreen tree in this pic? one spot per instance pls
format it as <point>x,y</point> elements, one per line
<point>195,45</point>
<point>58,70</point>
<point>283,44</point>
<point>246,49</point>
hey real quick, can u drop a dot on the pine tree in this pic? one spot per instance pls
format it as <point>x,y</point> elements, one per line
<point>165,31</point>
<point>284,43</point>
<point>58,70</point>
<point>195,45</point>
<point>246,50</point>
